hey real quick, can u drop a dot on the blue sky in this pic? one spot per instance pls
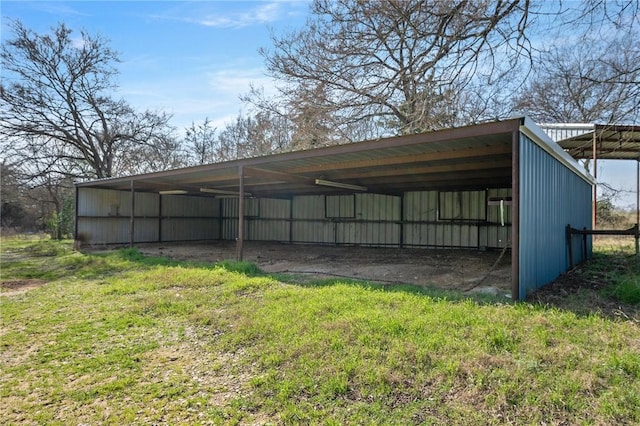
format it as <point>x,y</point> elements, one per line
<point>194,59</point>
<point>191,59</point>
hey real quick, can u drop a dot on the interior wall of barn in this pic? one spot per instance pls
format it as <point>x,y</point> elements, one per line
<point>551,196</point>
<point>441,219</point>
<point>103,217</point>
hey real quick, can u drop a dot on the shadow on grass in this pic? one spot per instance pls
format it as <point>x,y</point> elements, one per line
<point>252,270</point>
<point>607,285</point>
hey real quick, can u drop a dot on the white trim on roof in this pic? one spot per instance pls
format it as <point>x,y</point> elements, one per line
<point>544,141</point>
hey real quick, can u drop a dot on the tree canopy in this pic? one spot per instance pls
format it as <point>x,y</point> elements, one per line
<point>57,110</point>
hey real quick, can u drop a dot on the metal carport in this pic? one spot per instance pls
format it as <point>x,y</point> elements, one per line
<point>548,189</point>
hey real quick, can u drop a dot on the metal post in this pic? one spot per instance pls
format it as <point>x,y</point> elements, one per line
<point>159,217</point>
<point>595,176</point>
<point>638,192</point>
<point>75,225</point>
<point>240,240</point>
<point>515,216</point>
<point>131,221</point>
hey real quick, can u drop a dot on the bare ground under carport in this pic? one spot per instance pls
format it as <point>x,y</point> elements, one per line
<point>465,270</point>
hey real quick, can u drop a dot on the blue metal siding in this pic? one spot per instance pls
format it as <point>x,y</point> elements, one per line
<point>551,197</point>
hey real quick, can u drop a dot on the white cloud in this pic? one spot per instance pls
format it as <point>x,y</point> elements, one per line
<point>261,14</point>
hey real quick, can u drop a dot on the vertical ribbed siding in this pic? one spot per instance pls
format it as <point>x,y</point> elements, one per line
<point>551,197</point>
<point>376,222</point>
<point>309,222</point>
<point>494,235</point>
<point>188,218</point>
<point>104,216</point>
<point>437,219</point>
<point>265,219</point>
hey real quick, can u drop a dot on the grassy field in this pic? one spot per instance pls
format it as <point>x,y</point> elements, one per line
<point>118,338</point>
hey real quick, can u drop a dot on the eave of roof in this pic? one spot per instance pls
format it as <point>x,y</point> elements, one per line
<point>613,142</point>
<point>470,157</point>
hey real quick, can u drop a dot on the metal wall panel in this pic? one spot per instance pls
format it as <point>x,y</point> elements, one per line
<point>341,206</point>
<point>267,230</point>
<point>275,208</point>
<point>103,202</point>
<point>368,234</point>
<point>104,230</point>
<point>445,231</point>
<point>189,206</point>
<point>230,207</point>
<point>421,206</point>
<point>308,207</point>
<point>377,207</point>
<point>494,235</point>
<point>551,197</point>
<point>189,229</point>
<point>321,232</point>
<point>146,204</point>
<point>462,205</point>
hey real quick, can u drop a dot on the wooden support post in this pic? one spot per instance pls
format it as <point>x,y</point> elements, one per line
<point>131,221</point>
<point>637,237</point>
<point>240,240</point>
<point>584,244</point>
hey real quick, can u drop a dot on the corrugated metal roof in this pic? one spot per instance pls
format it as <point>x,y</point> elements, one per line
<point>613,142</point>
<point>477,156</point>
<point>470,157</point>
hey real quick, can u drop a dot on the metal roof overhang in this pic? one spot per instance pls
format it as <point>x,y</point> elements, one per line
<point>613,142</point>
<point>470,157</point>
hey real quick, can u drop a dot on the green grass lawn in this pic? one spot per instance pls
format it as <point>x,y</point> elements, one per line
<point>123,339</point>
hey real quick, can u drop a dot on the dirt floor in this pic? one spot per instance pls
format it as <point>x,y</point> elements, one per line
<point>466,270</point>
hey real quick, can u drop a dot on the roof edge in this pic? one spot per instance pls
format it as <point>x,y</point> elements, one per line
<point>540,138</point>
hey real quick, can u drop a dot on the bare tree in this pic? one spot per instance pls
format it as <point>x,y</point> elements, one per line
<point>595,80</point>
<point>254,135</point>
<point>200,141</point>
<point>55,98</point>
<point>399,62</point>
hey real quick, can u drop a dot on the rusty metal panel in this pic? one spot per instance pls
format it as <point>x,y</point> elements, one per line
<point>551,197</point>
<point>189,229</point>
<point>189,206</point>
